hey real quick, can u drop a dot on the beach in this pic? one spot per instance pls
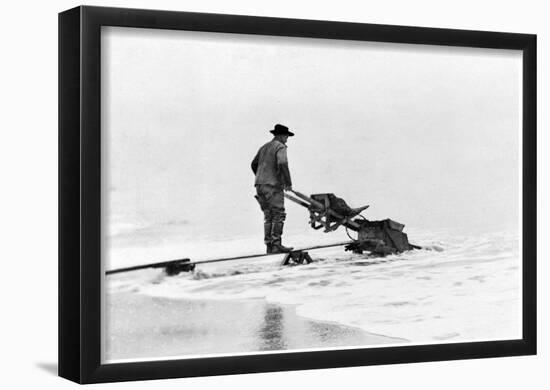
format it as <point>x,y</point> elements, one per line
<point>141,327</point>
<point>458,288</point>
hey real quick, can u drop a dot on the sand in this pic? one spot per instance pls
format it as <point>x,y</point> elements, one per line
<point>141,327</point>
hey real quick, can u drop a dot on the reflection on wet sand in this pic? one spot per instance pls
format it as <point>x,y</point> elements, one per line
<point>272,330</point>
<point>140,327</point>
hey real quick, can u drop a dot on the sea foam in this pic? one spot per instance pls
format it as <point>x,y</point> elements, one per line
<point>459,288</point>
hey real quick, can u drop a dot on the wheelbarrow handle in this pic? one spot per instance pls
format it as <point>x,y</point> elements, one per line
<point>313,202</point>
<point>298,201</point>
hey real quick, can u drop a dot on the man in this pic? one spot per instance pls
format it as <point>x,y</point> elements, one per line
<point>272,178</point>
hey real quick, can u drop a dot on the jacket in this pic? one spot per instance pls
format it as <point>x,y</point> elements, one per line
<point>270,165</point>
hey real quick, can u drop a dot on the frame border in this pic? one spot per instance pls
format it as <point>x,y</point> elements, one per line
<point>80,270</point>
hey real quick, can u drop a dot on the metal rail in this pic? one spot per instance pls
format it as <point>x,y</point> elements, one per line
<point>161,264</point>
<point>186,262</point>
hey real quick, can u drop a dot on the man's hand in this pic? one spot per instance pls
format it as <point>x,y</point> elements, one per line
<point>287,188</point>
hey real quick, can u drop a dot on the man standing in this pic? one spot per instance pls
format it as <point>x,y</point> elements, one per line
<point>272,178</point>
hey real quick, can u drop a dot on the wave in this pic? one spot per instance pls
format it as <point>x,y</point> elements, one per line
<point>456,288</point>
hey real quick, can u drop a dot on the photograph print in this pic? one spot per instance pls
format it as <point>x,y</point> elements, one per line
<point>267,194</point>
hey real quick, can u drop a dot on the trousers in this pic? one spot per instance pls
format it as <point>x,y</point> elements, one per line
<point>272,202</point>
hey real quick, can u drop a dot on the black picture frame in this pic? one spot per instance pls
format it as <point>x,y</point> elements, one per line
<point>80,270</point>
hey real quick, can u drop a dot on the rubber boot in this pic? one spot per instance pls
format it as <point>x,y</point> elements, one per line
<point>276,233</point>
<point>268,239</point>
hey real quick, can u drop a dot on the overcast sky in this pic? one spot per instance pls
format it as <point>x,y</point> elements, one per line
<point>426,135</point>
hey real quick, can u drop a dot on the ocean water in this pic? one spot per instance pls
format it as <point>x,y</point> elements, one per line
<point>462,286</point>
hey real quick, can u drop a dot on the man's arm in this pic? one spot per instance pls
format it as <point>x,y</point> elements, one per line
<point>282,165</point>
<point>254,164</point>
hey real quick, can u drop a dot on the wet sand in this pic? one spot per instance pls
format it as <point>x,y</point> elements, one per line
<point>140,327</point>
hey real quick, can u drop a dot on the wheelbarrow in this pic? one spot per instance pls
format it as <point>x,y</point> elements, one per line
<point>330,212</point>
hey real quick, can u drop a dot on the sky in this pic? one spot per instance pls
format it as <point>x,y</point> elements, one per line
<point>426,135</point>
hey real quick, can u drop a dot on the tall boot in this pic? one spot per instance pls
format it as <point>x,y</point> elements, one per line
<point>276,233</point>
<point>268,239</point>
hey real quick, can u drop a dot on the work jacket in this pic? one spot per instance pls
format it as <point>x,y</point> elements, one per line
<point>271,165</point>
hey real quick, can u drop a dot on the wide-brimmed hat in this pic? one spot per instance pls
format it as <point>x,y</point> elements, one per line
<point>281,130</point>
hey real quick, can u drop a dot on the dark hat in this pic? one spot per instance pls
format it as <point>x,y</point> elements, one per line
<point>281,130</point>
